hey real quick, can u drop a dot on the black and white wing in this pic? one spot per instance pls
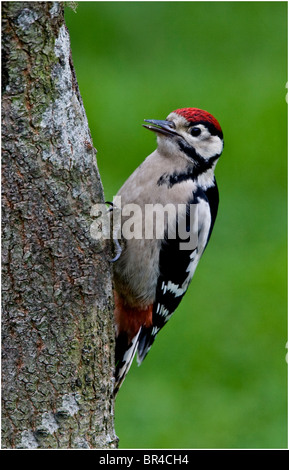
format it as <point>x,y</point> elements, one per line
<point>177,266</point>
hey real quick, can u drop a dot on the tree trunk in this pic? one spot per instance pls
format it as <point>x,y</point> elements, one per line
<point>57,324</point>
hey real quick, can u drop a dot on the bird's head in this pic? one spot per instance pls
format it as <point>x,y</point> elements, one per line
<point>193,132</point>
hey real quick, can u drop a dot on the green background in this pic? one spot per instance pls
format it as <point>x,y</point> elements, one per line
<point>216,376</point>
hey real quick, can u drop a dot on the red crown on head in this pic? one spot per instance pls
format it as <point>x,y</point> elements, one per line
<point>198,115</point>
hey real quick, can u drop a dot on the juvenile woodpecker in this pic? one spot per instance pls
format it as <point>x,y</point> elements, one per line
<point>152,274</point>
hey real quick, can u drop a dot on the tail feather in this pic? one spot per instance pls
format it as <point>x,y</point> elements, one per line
<point>124,354</point>
<point>130,324</point>
<point>145,341</point>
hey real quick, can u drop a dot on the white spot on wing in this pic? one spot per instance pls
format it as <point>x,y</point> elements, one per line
<point>155,330</point>
<point>175,289</point>
<point>163,312</point>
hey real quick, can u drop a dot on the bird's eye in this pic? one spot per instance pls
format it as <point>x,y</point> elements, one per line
<point>195,131</point>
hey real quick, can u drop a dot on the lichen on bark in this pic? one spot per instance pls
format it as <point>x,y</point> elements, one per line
<point>57,322</point>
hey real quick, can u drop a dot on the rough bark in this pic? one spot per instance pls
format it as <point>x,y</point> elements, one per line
<point>57,322</point>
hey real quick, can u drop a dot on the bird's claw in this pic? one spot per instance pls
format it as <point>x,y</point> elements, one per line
<point>115,240</point>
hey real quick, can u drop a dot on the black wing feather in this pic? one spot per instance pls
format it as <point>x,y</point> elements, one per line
<point>173,264</point>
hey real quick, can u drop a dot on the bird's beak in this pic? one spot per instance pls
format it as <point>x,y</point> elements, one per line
<point>162,127</point>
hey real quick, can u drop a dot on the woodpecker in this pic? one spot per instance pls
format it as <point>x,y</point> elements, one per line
<point>151,275</point>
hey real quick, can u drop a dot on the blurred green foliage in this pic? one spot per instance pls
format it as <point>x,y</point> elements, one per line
<point>216,376</point>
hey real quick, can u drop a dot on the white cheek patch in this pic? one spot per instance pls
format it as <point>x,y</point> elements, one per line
<point>210,147</point>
